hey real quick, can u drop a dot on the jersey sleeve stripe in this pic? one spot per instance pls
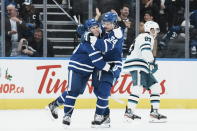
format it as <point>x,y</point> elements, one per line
<point>106,49</point>
<point>136,67</point>
<point>145,49</point>
<point>146,44</point>
<point>91,67</point>
<point>136,63</point>
<point>97,60</point>
<point>94,53</point>
<point>86,70</point>
<point>135,60</point>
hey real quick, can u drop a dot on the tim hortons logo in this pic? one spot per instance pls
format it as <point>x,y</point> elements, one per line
<point>123,85</point>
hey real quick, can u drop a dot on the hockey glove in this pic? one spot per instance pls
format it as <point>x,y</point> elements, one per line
<point>93,40</point>
<point>153,67</point>
<point>86,36</point>
<point>81,29</point>
<point>115,70</point>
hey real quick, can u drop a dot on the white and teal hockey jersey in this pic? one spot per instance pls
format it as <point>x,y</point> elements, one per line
<point>141,55</point>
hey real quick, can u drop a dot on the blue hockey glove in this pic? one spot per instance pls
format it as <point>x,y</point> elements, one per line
<point>81,29</point>
<point>115,70</point>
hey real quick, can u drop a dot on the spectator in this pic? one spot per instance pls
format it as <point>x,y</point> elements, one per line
<point>31,17</point>
<point>34,46</point>
<point>127,25</point>
<point>14,29</point>
<point>150,5</point>
<point>159,18</point>
<point>24,49</point>
<point>147,17</point>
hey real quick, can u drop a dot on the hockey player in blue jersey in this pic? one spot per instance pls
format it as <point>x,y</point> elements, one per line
<point>81,65</point>
<point>141,65</point>
<point>111,47</point>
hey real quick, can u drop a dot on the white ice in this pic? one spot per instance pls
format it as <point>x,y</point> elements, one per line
<point>38,120</point>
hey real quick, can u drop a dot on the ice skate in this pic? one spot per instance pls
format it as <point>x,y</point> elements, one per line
<point>101,121</point>
<point>130,116</point>
<point>156,117</point>
<point>53,109</point>
<point>66,121</point>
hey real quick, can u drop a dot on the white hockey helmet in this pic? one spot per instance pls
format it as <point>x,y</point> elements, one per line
<point>149,25</point>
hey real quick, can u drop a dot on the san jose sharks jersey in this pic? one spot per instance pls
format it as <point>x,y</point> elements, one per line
<point>141,55</point>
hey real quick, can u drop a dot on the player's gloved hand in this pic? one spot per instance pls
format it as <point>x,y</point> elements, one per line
<point>86,36</point>
<point>153,67</point>
<point>81,29</point>
<point>93,40</point>
<point>115,70</point>
<point>174,35</point>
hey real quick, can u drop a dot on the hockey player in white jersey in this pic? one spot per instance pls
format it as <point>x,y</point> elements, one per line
<point>140,63</point>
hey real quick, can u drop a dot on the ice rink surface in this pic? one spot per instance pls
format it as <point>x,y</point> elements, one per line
<point>39,120</point>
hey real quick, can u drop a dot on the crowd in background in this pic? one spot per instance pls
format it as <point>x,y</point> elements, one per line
<point>23,21</point>
<point>23,30</point>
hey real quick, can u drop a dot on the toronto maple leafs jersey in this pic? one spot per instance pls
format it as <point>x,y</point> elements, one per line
<point>111,46</point>
<point>141,54</point>
<point>85,58</point>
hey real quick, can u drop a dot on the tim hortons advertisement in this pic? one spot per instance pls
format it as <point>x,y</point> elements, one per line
<point>48,79</point>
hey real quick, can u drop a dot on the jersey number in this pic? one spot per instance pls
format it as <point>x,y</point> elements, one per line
<point>148,39</point>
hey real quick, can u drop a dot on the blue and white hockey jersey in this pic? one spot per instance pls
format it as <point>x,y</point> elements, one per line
<point>111,46</point>
<point>141,55</point>
<point>85,58</point>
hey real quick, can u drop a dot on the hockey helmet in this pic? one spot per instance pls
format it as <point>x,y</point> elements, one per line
<point>151,25</point>
<point>91,22</point>
<point>110,17</point>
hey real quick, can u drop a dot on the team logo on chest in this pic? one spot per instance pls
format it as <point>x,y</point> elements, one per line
<point>111,40</point>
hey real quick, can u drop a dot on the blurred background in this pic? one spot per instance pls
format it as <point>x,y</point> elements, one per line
<point>47,28</point>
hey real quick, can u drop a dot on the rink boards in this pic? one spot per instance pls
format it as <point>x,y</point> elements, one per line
<point>33,83</point>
